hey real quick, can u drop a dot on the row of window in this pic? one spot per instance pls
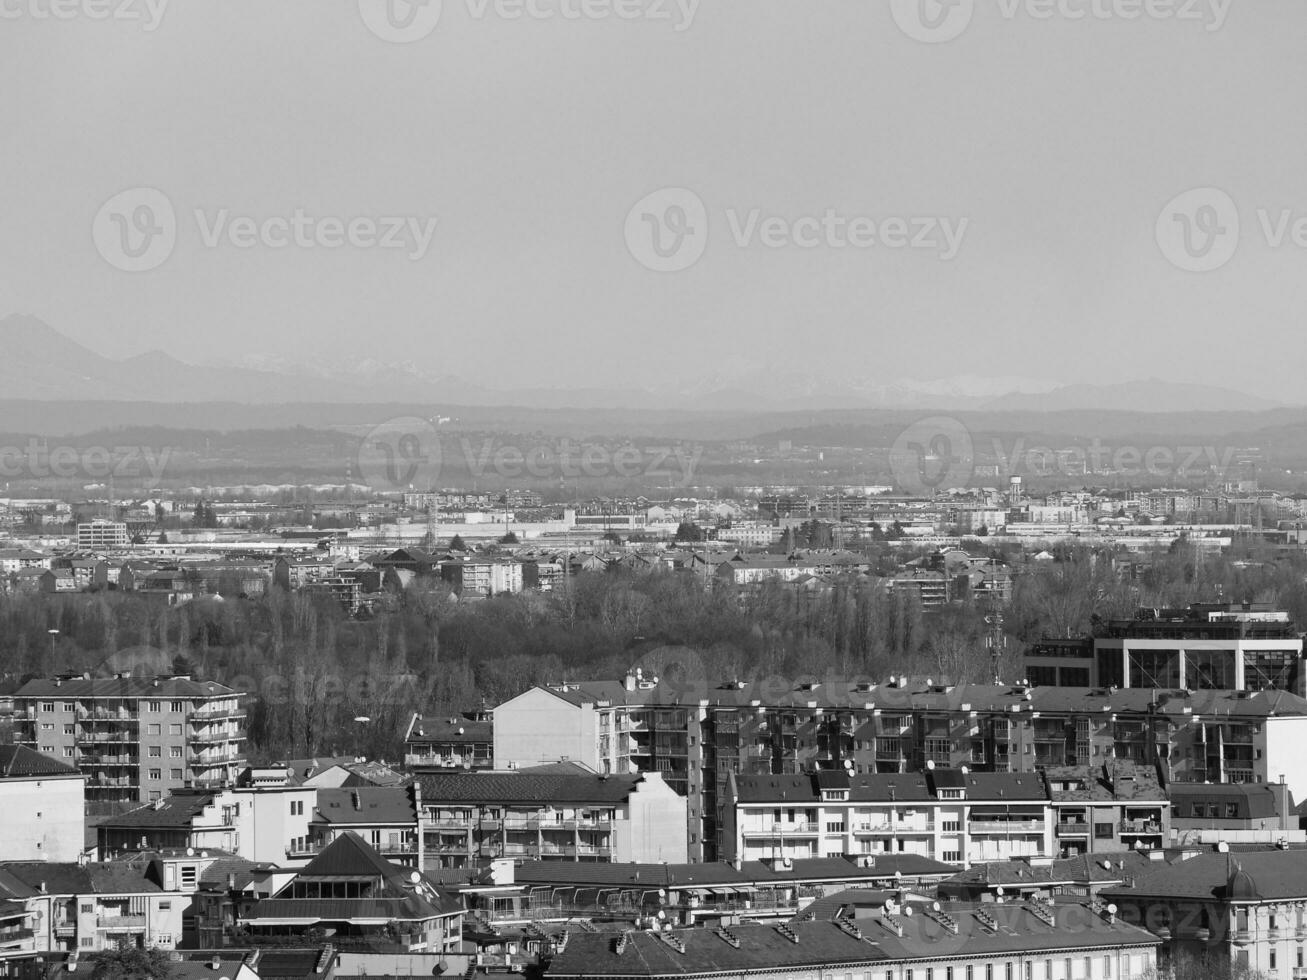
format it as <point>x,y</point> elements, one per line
<point>1070,968</point>
<point>176,707</point>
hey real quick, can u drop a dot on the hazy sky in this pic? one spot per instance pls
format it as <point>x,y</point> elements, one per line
<point>1047,147</point>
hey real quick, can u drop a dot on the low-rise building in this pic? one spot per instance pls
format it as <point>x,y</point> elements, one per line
<point>42,807</point>
<point>950,815</point>
<point>1116,806</point>
<point>1032,941</point>
<point>449,742</point>
<point>472,818</point>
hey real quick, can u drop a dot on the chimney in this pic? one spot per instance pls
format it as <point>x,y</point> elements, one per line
<point>358,802</point>
<point>1282,793</point>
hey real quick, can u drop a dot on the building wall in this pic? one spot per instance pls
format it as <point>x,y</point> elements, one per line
<point>537,727</point>
<point>265,823</point>
<point>1284,755</point>
<point>42,819</point>
<point>654,830</point>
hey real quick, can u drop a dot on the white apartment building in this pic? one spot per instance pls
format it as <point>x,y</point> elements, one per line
<point>101,535</point>
<point>949,815</point>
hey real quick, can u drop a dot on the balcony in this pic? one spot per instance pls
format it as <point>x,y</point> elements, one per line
<point>873,828</point>
<point>120,922</point>
<point>1140,827</point>
<point>783,830</point>
<point>1005,826</point>
<point>1073,829</point>
<point>448,824</point>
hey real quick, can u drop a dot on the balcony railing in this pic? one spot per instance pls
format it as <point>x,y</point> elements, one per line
<point>783,830</point>
<point>1140,827</point>
<point>120,922</point>
<point>1005,826</point>
<point>1073,829</point>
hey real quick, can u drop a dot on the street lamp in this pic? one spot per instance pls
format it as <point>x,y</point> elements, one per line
<point>359,721</point>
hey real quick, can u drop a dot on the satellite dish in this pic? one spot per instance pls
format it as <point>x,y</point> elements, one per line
<point>934,906</point>
<point>415,877</point>
<point>907,910</point>
<point>1111,909</point>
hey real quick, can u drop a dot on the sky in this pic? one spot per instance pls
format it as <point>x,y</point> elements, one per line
<point>582,192</point>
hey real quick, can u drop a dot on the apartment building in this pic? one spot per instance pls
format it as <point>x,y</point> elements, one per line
<point>482,577</point>
<point>469,819</point>
<point>386,817</point>
<point>42,807</point>
<point>1246,910</point>
<point>949,815</point>
<point>353,894</point>
<point>1207,646</point>
<point>135,738</point>
<point>449,742</point>
<point>696,734</point>
<point>884,941</point>
<point>85,908</point>
<point>1110,808</point>
<point>100,535</point>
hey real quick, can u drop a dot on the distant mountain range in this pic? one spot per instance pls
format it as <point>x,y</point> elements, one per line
<point>37,362</point>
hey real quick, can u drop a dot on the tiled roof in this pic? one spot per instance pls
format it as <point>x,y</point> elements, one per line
<point>624,875</point>
<point>1278,875</point>
<point>950,698</point>
<point>123,687</point>
<point>525,787</point>
<point>348,856</point>
<point>818,943</point>
<point>895,787</point>
<point>19,762</point>
<point>446,729</point>
<point>177,810</point>
<point>366,805</point>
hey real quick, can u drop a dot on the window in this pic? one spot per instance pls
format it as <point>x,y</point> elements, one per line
<point>1299,963</point>
<point>165,906</point>
<point>1107,967</point>
<point>68,706</point>
<point>971,973</point>
<point>47,726</point>
<point>951,826</point>
<point>87,941</point>
<point>47,705</point>
<point>155,796</point>
<point>176,773</point>
<point>1272,959</point>
<point>188,876</point>
<point>1102,831</point>
<point>156,774</point>
<point>174,729</point>
<point>48,749</point>
<point>152,728</point>
<point>989,971</point>
<point>174,752</point>
<point>68,752</point>
<point>834,826</point>
<point>155,706</point>
<point>156,751</point>
<point>1232,811</point>
<point>952,857</point>
<point>87,908</point>
<point>176,707</point>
